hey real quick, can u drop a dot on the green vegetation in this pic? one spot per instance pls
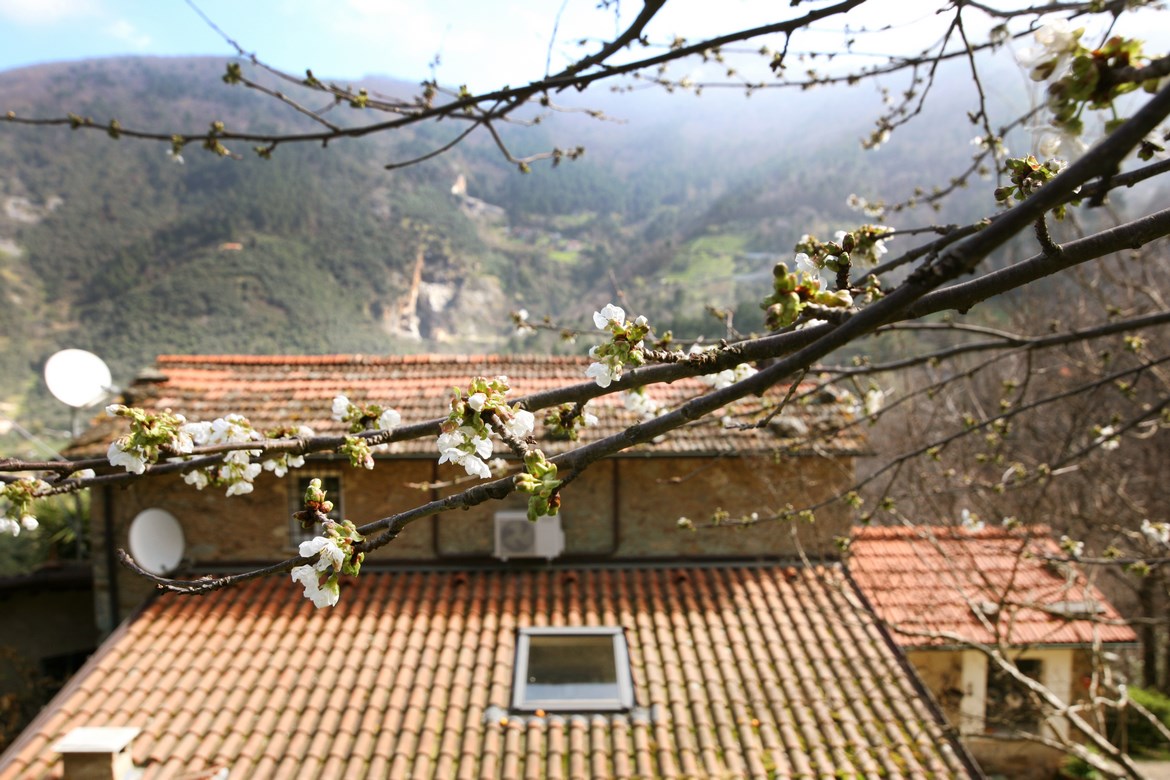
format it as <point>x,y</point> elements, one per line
<point>62,535</point>
<point>123,252</point>
<point>1135,733</point>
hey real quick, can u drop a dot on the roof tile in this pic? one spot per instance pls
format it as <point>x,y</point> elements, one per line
<point>730,667</point>
<point>928,582</point>
<point>275,390</point>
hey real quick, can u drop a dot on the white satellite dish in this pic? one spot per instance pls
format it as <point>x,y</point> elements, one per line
<point>77,378</point>
<point>156,541</point>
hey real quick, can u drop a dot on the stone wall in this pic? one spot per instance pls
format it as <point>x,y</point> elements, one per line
<point>623,508</point>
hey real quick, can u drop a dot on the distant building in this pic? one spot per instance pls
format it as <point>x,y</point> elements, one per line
<point>943,591</point>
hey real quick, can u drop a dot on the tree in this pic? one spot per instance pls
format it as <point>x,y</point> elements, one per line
<point>838,292</point>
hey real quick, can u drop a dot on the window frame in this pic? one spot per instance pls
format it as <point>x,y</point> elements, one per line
<point>623,702</point>
<point>296,502</point>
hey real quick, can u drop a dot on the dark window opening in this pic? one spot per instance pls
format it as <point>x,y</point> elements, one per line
<point>331,484</point>
<point>1011,707</point>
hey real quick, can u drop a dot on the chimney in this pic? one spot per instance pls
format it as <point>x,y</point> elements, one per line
<point>97,753</point>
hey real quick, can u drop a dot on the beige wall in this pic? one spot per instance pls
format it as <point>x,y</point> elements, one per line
<point>958,681</point>
<point>625,508</point>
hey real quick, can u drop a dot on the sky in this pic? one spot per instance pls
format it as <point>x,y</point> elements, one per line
<point>481,43</point>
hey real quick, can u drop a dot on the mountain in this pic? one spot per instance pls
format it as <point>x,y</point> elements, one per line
<point>111,246</point>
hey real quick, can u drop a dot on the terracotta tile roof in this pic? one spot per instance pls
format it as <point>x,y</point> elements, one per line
<point>273,390</point>
<point>942,579</point>
<point>738,672</point>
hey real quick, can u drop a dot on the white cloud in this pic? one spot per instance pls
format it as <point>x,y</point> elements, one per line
<point>45,11</point>
<point>129,34</point>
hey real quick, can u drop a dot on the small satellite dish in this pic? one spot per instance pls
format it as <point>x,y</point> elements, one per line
<point>77,378</point>
<point>156,541</point>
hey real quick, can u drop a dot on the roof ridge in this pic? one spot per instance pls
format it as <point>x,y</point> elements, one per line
<point>921,532</point>
<point>433,358</point>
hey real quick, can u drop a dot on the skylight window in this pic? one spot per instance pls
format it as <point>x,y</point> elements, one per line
<point>572,670</point>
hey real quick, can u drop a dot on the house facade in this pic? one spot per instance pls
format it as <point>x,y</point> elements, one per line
<point>608,642</point>
<point>622,509</point>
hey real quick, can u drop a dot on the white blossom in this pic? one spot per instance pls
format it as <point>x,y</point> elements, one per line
<point>1107,438</point>
<point>330,553</point>
<point>238,488</point>
<point>239,458</point>
<point>198,478</point>
<point>811,270</point>
<point>310,578</point>
<point>389,420</point>
<point>642,405</point>
<point>239,476</point>
<point>182,443</point>
<point>476,401</point>
<point>466,448</point>
<point>29,522</point>
<point>1071,546</point>
<point>609,313</point>
<point>603,374</point>
<point>475,467</point>
<point>523,422</point>
<point>970,522</point>
<point>1156,533</point>
<point>1057,37</point>
<point>483,446</point>
<point>875,398</point>
<point>340,407</point>
<point>199,432</point>
<point>83,474</point>
<point>280,466</point>
<point>588,419</point>
<point>8,526</point>
<point>118,455</point>
<point>725,378</point>
<point>1053,141</point>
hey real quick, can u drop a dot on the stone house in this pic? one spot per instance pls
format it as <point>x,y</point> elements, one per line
<point>945,591</point>
<point>605,643</point>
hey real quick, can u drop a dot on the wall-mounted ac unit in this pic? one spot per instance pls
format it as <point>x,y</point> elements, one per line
<point>517,537</point>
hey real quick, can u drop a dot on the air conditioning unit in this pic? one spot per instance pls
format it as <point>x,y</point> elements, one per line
<point>518,537</point>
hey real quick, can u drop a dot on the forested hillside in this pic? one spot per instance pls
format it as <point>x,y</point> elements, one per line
<point>114,247</point>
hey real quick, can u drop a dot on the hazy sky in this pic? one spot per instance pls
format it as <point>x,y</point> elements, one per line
<point>483,43</point>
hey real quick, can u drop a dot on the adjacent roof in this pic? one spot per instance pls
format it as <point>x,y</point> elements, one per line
<point>275,390</point>
<point>738,672</point>
<point>933,584</point>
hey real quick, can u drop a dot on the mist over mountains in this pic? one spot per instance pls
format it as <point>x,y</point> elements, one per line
<point>677,203</point>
